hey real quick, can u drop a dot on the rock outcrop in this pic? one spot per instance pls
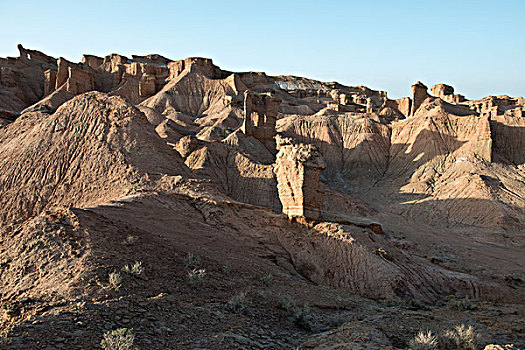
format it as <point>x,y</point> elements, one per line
<point>22,81</point>
<point>260,117</point>
<point>298,170</point>
<point>419,95</point>
<point>446,93</point>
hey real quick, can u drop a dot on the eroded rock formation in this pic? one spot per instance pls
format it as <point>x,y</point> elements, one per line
<point>419,95</point>
<point>260,111</point>
<point>446,93</point>
<point>415,198</point>
<point>222,124</point>
<point>298,170</point>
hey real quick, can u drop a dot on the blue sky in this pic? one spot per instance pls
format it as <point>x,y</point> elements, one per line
<point>476,46</point>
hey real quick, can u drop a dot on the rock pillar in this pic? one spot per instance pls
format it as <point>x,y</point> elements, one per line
<point>298,170</point>
<point>419,94</point>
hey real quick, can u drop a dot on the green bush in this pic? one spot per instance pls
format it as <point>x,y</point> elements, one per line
<point>459,338</point>
<point>238,303</point>
<point>135,269</point>
<point>226,268</point>
<point>267,278</point>
<point>119,339</point>
<point>192,261</point>
<point>299,315</point>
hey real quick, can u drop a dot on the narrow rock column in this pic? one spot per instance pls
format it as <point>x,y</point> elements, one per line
<point>298,170</point>
<point>50,77</point>
<point>419,94</point>
<point>369,108</point>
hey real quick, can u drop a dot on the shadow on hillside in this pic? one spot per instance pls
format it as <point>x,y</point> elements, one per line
<point>261,191</point>
<point>508,146</point>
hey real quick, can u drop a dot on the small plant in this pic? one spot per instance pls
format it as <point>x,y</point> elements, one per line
<point>192,261</point>
<point>135,269</point>
<point>130,240</point>
<point>119,339</point>
<point>238,303</point>
<point>336,320</point>
<point>195,276</point>
<point>266,279</point>
<point>226,268</point>
<point>424,341</point>
<point>286,303</point>
<point>115,280</point>
<point>461,304</point>
<point>413,304</point>
<point>299,315</point>
<point>459,338</point>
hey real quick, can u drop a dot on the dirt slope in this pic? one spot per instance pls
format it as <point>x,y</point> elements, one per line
<point>92,149</point>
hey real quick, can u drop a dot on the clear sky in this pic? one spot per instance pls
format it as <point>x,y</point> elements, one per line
<point>476,46</point>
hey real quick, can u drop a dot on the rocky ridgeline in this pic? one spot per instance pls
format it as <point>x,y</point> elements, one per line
<point>328,187</point>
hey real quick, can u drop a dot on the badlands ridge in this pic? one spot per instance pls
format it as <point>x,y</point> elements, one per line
<point>354,204</point>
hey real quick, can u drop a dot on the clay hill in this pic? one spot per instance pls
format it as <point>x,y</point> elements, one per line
<point>207,209</point>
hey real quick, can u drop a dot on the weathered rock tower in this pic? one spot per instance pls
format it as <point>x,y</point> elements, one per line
<point>298,170</point>
<point>260,112</point>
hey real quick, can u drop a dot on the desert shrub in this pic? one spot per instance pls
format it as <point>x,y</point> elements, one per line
<point>459,338</point>
<point>461,304</point>
<point>301,318</point>
<point>115,280</point>
<point>130,240</point>
<point>299,315</point>
<point>135,269</point>
<point>286,303</point>
<point>119,339</point>
<point>336,320</point>
<point>424,341</point>
<point>267,278</point>
<point>195,276</point>
<point>413,304</point>
<point>192,261</point>
<point>238,303</point>
<point>226,268</point>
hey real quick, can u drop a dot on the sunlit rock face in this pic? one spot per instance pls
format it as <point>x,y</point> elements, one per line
<point>298,169</point>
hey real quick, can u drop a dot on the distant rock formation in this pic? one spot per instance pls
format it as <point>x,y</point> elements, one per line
<point>446,93</point>
<point>260,112</point>
<point>298,170</point>
<point>419,95</point>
